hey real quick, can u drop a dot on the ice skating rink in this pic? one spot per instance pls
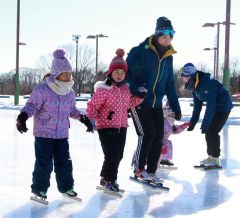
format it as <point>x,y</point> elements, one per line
<point>193,193</point>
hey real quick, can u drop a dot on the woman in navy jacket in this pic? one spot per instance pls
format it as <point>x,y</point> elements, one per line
<point>218,108</point>
<point>151,65</point>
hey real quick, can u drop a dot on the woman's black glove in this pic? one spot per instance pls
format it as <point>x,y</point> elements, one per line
<point>142,92</point>
<point>191,127</point>
<point>86,122</point>
<point>178,115</point>
<point>21,122</point>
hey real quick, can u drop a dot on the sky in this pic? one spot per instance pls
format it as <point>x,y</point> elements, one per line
<point>48,24</point>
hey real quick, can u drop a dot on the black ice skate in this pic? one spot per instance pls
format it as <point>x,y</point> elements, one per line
<point>167,164</point>
<point>71,194</point>
<point>40,197</point>
<point>111,188</point>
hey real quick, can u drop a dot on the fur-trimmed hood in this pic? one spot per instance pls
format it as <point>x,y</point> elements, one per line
<point>103,85</point>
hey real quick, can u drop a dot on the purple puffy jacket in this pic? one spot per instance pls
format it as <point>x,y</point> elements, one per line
<point>51,112</point>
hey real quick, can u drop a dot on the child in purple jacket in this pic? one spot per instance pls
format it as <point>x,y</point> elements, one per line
<point>51,104</point>
<point>169,128</point>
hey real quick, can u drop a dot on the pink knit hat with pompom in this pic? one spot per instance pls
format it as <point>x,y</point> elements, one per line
<point>118,62</point>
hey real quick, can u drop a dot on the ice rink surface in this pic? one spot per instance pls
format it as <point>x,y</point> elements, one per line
<point>193,193</point>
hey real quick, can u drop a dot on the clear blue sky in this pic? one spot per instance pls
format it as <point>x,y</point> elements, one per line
<point>48,24</point>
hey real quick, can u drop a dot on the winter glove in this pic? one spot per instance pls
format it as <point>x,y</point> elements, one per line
<point>191,127</point>
<point>142,92</point>
<point>203,131</point>
<point>178,115</point>
<point>109,117</point>
<point>174,128</point>
<point>21,122</point>
<point>86,122</point>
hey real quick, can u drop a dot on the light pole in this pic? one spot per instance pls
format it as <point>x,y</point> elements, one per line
<point>96,37</point>
<point>76,39</point>
<point>16,97</point>
<point>215,74</point>
<point>226,72</point>
<point>217,46</point>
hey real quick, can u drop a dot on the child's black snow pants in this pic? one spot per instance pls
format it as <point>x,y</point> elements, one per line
<point>113,143</point>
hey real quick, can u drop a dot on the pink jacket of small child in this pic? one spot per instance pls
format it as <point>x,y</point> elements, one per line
<point>109,105</point>
<point>170,128</point>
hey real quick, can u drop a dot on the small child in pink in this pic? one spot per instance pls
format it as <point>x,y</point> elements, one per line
<point>109,107</point>
<point>169,128</point>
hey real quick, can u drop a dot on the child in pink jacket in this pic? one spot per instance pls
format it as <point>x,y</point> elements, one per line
<point>169,128</point>
<point>109,107</point>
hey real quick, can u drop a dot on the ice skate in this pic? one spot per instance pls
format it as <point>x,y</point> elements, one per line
<point>142,174</point>
<point>213,163</point>
<point>71,194</point>
<point>155,179</point>
<point>40,197</point>
<point>167,164</point>
<point>108,187</point>
<point>115,184</point>
<point>203,162</point>
<point>209,163</point>
<point>149,180</point>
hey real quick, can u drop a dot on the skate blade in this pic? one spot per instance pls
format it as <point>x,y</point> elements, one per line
<point>165,167</point>
<point>102,188</point>
<point>39,200</point>
<point>201,166</point>
<point>204,167</point>
<point>155,187</point>
<point>218,167</point>
<point>116,194</point>
<point>72,198</point>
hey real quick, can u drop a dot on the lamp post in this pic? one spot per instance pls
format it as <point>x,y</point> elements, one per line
<point>76,39</point>
<point>217,46</point>
<point>226,72</point>
<point>215,74</point>
<point>96,37</point>
<point>218,37</point>
<point>16,97</point>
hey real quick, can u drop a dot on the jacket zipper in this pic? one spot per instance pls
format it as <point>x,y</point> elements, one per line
<point>121,110</point>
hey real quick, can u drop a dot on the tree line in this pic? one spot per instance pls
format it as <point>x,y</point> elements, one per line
<point>85,77</point>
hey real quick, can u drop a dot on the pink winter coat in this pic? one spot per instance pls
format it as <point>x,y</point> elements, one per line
<point>109,105</point>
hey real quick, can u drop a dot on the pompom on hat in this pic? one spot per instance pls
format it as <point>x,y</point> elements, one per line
<point>59,64</point>
<point>118,62</point>
<point>188,70</point>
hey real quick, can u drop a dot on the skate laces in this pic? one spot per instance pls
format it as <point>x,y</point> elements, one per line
<point>42,194</point>
<point>103,182</point>
<point>143,174</point>
<point>155,178</point>
<point>212,161</point>
<point>205,161</point>
<point>115,185</point>
<point>71,192</point>
<point>112,186</point>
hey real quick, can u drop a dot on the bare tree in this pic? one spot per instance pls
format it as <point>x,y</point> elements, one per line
<point>44,63</point>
